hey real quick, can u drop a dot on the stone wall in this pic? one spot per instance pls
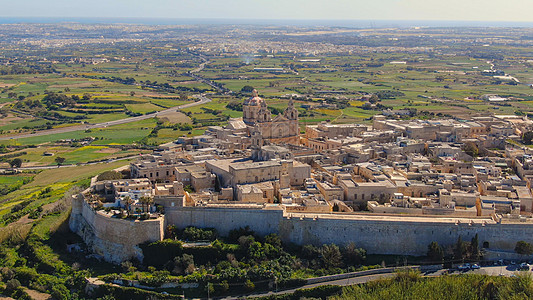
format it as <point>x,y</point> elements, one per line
<point>114,239</point>
<point>377,234</point>
<point>262,221</point>
<point>117,240</point>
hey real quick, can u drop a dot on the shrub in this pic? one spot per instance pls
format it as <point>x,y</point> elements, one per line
<point>198,234</point>
<point>249,285</point>
<point>523,248</point>
<point>12,284</point>
<point>158,253</point>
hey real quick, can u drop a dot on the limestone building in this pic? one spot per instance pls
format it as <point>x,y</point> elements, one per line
<point>280,129</point>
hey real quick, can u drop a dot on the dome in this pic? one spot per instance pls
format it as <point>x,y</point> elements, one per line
<point>255,100</point>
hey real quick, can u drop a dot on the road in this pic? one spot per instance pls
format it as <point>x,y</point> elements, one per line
<point>506,270</point>
<point>76,165</point>
<point>341,282</point>
<point>202,100</point>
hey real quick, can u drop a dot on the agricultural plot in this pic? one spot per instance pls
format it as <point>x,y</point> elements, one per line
<point>114,135</point>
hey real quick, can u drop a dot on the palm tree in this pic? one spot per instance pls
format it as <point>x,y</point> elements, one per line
<point>127,203</point>
<point>146,200</point>
<point>143,200</point>
<point>149,202</point>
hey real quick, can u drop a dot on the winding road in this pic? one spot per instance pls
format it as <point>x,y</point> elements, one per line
<point>496,270</point>
<point>202,100</point>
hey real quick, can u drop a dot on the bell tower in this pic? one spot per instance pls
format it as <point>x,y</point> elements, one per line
<point>264,114</point>
<point>291,112</point>
<point>257,143</point>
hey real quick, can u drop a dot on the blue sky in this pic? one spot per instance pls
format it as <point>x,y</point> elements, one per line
<point>471,10</point>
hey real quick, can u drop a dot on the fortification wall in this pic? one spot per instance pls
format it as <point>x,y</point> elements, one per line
<point>114,239</point>
<point>401,237</point>
<point>117,240</point>
<point>262,221</point>
<point>385,235</point>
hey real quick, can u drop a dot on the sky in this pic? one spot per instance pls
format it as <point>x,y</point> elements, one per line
<point>449,10</point>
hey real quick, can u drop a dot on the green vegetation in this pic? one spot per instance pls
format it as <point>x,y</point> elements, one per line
<point>241,261</point>
<point>410,285</point>
<point>524,248</point>
<point>34,234</point>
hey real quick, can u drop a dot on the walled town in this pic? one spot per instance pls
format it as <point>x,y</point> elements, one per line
<point>396,179</point>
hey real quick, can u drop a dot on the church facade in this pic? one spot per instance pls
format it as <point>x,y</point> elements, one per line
<point>282,129</point>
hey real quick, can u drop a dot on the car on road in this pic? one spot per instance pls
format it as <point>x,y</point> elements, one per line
<point>464,267</point>
<point>475,267</point>
<point>523,267</point>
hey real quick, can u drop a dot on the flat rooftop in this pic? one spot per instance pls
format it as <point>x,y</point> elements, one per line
<point>253,165</point>
<point>393,218</point>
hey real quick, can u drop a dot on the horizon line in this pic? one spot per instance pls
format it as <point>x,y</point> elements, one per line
<point>255,21</point>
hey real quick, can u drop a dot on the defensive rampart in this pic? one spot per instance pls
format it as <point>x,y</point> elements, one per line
<point>114,239</point>
<point>378,234</point>
<point>117,240</point>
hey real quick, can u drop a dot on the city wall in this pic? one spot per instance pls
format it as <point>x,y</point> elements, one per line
<point>377,234</point>
<point>117,240</point>
<point>114,239</point>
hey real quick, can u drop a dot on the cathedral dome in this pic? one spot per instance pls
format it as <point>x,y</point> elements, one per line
<point>255,100</point>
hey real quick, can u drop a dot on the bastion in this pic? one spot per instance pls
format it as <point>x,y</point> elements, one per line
<point>117,240</point>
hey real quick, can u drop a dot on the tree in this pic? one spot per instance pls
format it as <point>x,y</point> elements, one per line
<point>331,256</point>
<point>474,247</point>
<point>435,252</point>
<point>247,89</point>
<point>524,248</point>
<point>245,241</point>
<point>184,264</point>
<point>353,255</point>
<point>16,163</point>
<point>274,240</point>
<point>198,234</point>
<point>471,149</point>
<point>59,160</point>
<point>527,137</point>
<point>172,232</point>
<point>373,99</point>
<point>310,252</point>
<point>188,188</point>
<point>146,200</point>
<point>256,251</point>
<point>459,249</point>
<point>127,202</point>
<point>149,203</point>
